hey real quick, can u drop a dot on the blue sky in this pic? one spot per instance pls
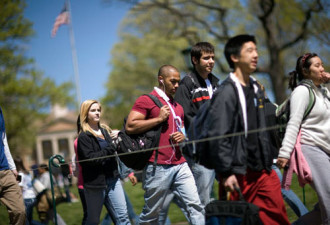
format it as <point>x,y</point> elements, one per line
<point>95,28</point>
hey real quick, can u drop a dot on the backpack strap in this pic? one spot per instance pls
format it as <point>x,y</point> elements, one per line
<point>109,140</point>
<point>155,99</point>
<point>311,102</point>
<point>159,104</point>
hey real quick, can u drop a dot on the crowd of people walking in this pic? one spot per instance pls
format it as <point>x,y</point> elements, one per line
<point>246,162</point>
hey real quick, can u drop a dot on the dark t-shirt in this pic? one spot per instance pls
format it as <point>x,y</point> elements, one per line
<point>167,154</point>
<point>253,148</point>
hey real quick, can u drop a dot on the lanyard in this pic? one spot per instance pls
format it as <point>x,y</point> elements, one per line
<point>177,119</point>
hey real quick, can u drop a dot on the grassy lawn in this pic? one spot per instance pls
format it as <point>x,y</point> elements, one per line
<point>72,212</point>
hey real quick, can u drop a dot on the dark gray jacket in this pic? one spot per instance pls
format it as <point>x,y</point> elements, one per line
<point>192,93</point>
<point>228,155</point>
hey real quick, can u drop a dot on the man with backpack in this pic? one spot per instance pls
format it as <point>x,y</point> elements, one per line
<point>166,170</point>
<point>194,90</point>
<point>241,155</point>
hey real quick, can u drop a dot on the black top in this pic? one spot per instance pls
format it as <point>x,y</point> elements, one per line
<point>254,156</point>
<point>95,171</point>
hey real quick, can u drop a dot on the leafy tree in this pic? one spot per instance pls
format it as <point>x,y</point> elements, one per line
<point>284,29</point>
<point>135,61</point>
<point>25,95</point>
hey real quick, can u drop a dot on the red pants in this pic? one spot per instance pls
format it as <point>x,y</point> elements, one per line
<point>264,190</point>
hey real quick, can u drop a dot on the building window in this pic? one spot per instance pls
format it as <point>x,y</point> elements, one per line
<point>47,149</point>
<point>63,145</point>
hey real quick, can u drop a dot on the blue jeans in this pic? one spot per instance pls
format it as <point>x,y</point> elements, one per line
<point>115,203</point>
<point>163,218</point>
<point>204,179</point>
<point>131,214</point>
<point>290,197</point>
<point>176,178</point>
<point>29,203</point>
<point>112,197</point>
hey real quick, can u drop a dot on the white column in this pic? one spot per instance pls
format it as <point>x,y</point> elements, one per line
<point>54,145</point>
<point>40,153</point>
<point>71,145</point>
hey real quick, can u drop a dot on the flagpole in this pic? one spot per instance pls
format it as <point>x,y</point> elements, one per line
<point>74,56</point>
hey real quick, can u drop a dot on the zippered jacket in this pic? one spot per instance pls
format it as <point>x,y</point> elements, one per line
<point>192,93</point>
<point>95,171</point>
<point>228,154</point>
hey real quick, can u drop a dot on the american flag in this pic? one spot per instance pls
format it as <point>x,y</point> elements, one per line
<point>62,18</point>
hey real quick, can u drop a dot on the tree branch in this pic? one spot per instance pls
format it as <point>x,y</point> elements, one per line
<point>267,7</point>
<point>183,16</point>
<point>318,7</point>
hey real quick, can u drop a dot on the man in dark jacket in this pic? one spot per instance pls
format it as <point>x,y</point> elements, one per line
<point>194,90</point>
<point>242,158</point>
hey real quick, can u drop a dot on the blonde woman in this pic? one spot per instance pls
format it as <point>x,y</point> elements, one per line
<point>101,176</point>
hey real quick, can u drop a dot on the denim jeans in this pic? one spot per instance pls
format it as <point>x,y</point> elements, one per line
<point>204,180</point>
<point>131,214</point>
<point>29,203</point>
<point>290,197</point>
<point>163,218</point>
<point>112,197</point>
<point>116,203</point>
<point>176,178</point>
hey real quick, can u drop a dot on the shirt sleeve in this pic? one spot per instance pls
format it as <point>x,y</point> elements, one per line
<point>142,105</point>
<point>10,160</point>
<point>298,104</point>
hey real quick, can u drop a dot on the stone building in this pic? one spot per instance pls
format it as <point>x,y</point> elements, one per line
<point>57,135</point>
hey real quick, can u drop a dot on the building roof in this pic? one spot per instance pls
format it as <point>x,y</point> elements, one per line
<point>60,120</point>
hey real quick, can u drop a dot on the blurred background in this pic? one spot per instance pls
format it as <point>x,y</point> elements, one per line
<point>111,50</point>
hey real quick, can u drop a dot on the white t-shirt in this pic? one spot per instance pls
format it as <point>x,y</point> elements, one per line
<point>45,179</point>
<point>26,184</point>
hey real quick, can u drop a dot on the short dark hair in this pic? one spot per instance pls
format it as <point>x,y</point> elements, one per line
<point>198,49</point>
<point>234,46</point>
<point>165,69</point>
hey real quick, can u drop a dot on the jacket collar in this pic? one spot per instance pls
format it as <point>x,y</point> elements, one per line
<point>241,97</point>
<point>201,81</point>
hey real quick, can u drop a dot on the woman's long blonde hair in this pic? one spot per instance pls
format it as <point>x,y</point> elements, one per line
<point>84,109</point>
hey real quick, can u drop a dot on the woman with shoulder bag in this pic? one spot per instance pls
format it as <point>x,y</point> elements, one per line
<point>100,173</point>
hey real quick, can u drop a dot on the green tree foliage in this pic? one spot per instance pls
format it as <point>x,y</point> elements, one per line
<point>284,29</point>
<point>136,60</point>
<point>25,94</point>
